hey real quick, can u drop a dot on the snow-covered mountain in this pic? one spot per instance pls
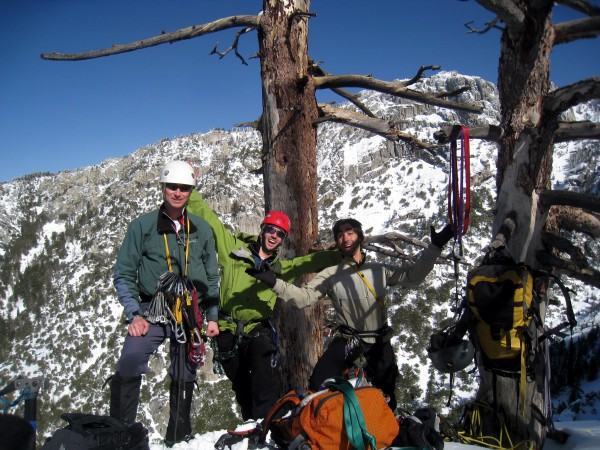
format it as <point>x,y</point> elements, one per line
<point>59,235</point>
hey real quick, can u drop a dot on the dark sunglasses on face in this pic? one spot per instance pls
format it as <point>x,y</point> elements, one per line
<point>181,187</point>
<point>272,230</point>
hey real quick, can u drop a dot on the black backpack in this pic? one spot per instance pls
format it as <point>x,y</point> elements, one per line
<point>419,430</point>
<point>89,431</point>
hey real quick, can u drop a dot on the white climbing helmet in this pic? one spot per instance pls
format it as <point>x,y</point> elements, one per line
<point>178,172</point>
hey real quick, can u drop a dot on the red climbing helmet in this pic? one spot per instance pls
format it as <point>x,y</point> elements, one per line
<point>278,219</point>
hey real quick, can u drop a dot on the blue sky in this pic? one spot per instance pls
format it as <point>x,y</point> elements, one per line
<point>66,115</point>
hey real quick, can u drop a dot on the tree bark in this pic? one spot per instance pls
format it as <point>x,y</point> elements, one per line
<point>290,164</point>
<point>524,168</point>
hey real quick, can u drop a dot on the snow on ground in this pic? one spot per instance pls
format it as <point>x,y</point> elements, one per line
<point>583,435</point>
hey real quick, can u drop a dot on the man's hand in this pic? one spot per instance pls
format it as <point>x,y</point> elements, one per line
<point>266,276</point>
<point>440,239</point>
<point>212,329</point>
<point>138,326</point>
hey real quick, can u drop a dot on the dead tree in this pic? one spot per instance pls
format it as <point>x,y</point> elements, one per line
<point>530,125</point>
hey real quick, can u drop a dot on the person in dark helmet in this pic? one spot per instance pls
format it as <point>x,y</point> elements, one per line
<point>246,348</point>
<point>167,242</point>
<point>357,288</point>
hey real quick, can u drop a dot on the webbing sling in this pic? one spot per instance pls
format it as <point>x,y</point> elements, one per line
<point>187,248</point>
<point>459,186</point>
<point>354,419</point>
<point>459,196</point>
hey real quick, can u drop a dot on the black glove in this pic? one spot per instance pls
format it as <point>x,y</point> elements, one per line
<point>440,239</point>
<point>266,276</point>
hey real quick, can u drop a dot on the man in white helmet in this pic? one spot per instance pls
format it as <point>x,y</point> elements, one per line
<point>166,264</point>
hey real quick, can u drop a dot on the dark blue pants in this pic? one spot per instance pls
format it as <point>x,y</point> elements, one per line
<point>137,350</point>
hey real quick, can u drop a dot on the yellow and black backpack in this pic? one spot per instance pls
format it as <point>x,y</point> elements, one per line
<point>504,299</point>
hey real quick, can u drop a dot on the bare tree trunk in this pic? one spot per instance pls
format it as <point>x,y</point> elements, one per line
<point>289,164</point>
<point>524,168</point>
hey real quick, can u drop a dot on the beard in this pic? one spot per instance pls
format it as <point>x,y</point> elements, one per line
<point>351,251</point>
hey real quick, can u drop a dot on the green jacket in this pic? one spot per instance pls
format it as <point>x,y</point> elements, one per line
<point>142,260</point>
<point>243,297</point>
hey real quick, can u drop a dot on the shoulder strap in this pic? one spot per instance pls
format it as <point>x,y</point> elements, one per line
<point>289,401</point>
<point>380,302</point>
<point>571,321</point>
<point>187,248</point>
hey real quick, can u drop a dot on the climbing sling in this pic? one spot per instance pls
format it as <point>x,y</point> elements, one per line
<point>459,186</point>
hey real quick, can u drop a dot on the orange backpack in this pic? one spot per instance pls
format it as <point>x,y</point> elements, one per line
<point>330,420</point>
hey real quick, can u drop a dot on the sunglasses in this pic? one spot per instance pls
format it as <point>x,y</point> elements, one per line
<point>181,187</point>
<point>272,230</point>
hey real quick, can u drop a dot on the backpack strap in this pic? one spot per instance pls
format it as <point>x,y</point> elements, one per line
<point>571,321</point>
<point>354,419</point>
<point>288,402</point>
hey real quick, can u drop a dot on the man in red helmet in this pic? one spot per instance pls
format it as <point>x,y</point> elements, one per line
<point>246,348</point>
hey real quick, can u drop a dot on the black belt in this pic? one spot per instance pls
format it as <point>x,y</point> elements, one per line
<point>145,298</point>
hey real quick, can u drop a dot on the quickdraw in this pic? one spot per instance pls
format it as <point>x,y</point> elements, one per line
<point>459,187</point>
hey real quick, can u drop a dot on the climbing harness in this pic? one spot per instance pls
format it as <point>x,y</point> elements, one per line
<point>176,303</point>
<point>222,356</point>
<point>356,346</point>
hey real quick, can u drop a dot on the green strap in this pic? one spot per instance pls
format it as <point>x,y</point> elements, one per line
<point>354,420</point>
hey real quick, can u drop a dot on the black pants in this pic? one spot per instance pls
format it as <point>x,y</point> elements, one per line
<point>254,380</point>
<point>381,369</point>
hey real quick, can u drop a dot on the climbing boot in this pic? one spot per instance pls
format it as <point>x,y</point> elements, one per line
<point>124,397</point>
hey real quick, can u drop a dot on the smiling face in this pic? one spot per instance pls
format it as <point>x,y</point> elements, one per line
<point>175,199</point>
<point>348,240</point>
<point>272,237</point>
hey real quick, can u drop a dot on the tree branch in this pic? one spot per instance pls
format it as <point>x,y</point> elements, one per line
<point>588,275</point>
<point>315,70</point>
<point>569,198</point>
<point>419,75</point>
<point>493,25</point>
<point>566,97</point>
<point>179,35</point>
<point>506,230</point>
<point>573,30</point>
<point>508,12</point>
<point>565,246</point>
<point>234,46</point>
<point>372,124</point>
<point>385,244</point>
<point>571,131</point>
<point>449,133</point>
<point>393,88</point>
<point>582,6</point>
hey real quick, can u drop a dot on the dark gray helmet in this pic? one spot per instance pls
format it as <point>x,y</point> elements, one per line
<point>453,357</point>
